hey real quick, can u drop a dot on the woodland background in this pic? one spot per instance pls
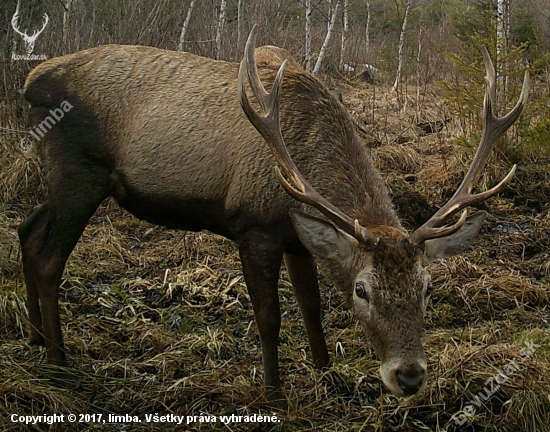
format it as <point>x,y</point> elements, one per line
<point>159,321</point>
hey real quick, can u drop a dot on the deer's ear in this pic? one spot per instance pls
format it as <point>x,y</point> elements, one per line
<point>455,243</point>
<point>323,239</point>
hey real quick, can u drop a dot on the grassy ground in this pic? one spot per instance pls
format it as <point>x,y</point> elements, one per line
<point>159,321</point>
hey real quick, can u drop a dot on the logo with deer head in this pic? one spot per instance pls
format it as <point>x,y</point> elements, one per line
<point>28,39</point>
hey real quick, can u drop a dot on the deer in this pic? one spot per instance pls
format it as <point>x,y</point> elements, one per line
<point>162,133</point>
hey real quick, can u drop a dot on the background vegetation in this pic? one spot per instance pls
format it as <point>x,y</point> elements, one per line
<point>160,321</point>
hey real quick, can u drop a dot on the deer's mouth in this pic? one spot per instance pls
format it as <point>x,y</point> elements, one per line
<point>404,378</point>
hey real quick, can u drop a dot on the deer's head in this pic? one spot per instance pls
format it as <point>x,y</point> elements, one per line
<point>381,269</point>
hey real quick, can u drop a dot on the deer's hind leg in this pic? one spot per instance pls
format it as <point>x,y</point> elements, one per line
<point>47,239</point>
<point>33,305</point>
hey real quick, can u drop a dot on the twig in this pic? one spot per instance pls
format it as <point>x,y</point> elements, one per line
<point>13,130</point>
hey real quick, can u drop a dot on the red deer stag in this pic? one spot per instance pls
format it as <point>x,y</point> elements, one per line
<point>162,132</point>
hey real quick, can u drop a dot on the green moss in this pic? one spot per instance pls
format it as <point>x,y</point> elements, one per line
<point>444,315</point>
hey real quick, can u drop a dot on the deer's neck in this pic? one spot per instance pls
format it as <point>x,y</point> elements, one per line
<point>348,178</point>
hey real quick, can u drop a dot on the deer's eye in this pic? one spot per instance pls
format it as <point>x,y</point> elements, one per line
<point>360,290</point>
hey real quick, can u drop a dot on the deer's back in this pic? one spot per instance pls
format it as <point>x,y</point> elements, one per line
<point>171,128</point>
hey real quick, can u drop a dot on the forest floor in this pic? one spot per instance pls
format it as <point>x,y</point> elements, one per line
<point>159,322</point>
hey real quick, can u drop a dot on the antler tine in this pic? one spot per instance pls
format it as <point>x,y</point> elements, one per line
<point>252,72</point>
<point>269,127</point>
<point>493,128</point>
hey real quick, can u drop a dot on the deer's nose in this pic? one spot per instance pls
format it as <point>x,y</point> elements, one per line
<point>410,379</point>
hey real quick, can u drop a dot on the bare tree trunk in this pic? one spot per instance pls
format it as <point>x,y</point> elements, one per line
<point>501,29</point>
<point>15,36</point>
<point>367,31</point>
<point>503,24</point>
<point>67,5</point>
<point>239,25</point>
<point>418,75</point>
<point>329,14</point>
<point>400,50</point>
<point>219,29</point>
<point>327,39</point>
<point>344,35</point>
<point>186,25</point>
<point>308,35</point>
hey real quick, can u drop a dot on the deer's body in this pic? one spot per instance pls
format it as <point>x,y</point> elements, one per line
<point>179,151</point>
<point>162,132</point>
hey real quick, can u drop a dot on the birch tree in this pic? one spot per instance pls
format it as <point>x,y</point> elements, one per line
<point>219,29</point>
<point>309,11</point>
<point>239,25</point>
<point>502,6</point>
<point>418,72</point>
<point>329,14</point>
<point>15,35</point>
<point>367,31</point>
<point>67,6</point>
<point>344,34</point>
<point>503,30</point>
<point>327,39</point>
<point>186,25</point>
<point>400,49</point>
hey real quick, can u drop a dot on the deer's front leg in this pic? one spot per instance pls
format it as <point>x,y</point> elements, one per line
<point>261,255</point>
<point>303,275</point>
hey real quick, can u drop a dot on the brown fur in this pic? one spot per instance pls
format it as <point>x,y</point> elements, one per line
<point>269,55</point>
<point>163,133</point>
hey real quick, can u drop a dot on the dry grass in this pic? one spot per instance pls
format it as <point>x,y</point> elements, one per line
<point>158,321</point>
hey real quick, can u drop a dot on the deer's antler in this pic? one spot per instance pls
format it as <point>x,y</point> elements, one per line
<point>493,128</point>
<point>269,127</point>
